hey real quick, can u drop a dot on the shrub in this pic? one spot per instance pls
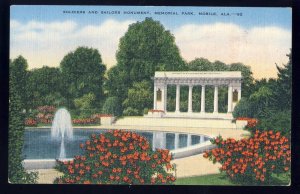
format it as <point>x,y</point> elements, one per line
<point>46,109</point>
<point>112,106</point>
<point>281,120</point>
<point>86,104</point>
<point>16,172</point>
<point>253,160</point>
<point>85,121</point>
<point>30,122</point>
<point>251,122</point>
<point>146,111</point>
<point>244,108</point>
<point>45,114</point>
<point>131,112</point>
<point>118,157</point>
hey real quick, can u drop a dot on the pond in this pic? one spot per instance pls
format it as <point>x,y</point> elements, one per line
<point>39,145</point>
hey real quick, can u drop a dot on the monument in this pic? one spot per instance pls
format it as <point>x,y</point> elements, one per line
<point>231,79</point>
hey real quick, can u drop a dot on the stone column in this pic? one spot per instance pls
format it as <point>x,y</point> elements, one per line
<point>189,140</point>
<point>155,97</point>
<point>216,100</point>
<point>201,139</point>
<point>165,97</point>
<point>190,100</point>
<point>203,99</point>
<point>176,141</point>
<point>177,98</point>
<point>239,94</point>
<point>229,110</point>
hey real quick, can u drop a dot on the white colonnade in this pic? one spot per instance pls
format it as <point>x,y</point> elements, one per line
<point>231,79</point>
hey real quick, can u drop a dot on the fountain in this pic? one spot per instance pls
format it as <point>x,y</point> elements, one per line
<point>61,128</point>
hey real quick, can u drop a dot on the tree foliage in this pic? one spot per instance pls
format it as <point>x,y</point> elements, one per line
<point>82,73</point>
<point>85,105</point>
<point>283,91</point>
<point>45,86</point>
<point>18,68</point>
<point>145,48</point>
<point>112,106</point>
<point>16,171</point>
<point>270,102</point>
<point>139,96</point>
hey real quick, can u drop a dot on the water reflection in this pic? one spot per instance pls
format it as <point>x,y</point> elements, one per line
<point>38,144</point>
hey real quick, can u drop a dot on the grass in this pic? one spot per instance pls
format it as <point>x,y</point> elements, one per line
<point>212,179</point>
<point>221,179</point>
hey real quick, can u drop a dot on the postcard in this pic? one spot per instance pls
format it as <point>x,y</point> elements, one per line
<point>137,95</point>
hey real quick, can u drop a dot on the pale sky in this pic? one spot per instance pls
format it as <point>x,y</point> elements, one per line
<point>44,34</point>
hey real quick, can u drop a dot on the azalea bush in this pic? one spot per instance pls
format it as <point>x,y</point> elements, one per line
<point>251,122</point>
<point>45,114</point>
<point>30,122</point>
<point>253,160</point>
<point>118,157</point>
<point>85,121</point>
<point>46,109</point>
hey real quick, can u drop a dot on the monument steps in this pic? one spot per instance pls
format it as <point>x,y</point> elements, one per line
<point>177,122</point>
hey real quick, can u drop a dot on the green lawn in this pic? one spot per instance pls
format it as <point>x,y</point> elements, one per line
<point>213,179</point>
<point>221,179</point>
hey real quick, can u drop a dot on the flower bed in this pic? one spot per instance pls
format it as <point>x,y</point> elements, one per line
<point>45,115</point>
<point>30,122</point>
<point>118,157</point>
<point>45,109</point>
<point>85,121</point>
<point>252,160</point>
<point>251,122</point>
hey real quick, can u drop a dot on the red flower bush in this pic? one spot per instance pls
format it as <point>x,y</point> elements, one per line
<point>118,157</point>
<point>30,122</point>
<point>45,114</point>
<point>252,160</point>
<point>252,122</point>
<point>46,109</point>
<point>86,121</point>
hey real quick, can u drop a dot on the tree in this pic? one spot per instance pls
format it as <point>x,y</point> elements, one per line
<point>85,105</point>
<point>112,106</point>
<point>270,102</point>
<point>118,83</point>
<point>139,97</point>
<point>248,79</point>
<point>18,68</point>
<point>16,172</point>
<point>45,87</point>
<point>200,64</point>
<point>145,48</point>
<point>283,91</point>
<point>82,73</point>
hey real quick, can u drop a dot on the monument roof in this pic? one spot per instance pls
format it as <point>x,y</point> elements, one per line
<point>198,74</point>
